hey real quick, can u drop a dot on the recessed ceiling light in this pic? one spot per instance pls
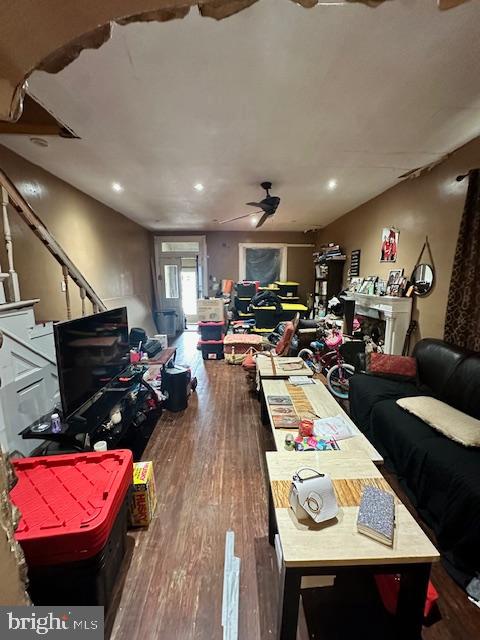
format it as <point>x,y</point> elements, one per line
<point>116,186</point>
<point>332,184</point>
<point>199,186</point>
<point>253,221</point>
<point>40,142</point>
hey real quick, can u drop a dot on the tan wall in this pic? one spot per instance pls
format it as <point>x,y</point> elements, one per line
<point>223,254</point>
<point>111,251</point>
<point>430,205</point>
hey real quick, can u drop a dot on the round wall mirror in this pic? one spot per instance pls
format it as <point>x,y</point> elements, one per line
<point>422,279</point>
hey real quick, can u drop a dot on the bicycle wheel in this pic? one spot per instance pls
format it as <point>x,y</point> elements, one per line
<point>338,379</point>
<point>307,356</point>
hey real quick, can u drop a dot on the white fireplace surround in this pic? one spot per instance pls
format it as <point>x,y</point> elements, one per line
<point>396,312</point>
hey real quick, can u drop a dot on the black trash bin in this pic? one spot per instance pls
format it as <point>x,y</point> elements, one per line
<point>175,383</point>
<point>166,322</point>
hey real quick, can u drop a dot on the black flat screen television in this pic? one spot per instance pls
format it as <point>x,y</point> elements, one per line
<point>91,351</point>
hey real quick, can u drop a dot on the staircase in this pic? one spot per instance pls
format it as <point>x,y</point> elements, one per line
<point>28,369</point>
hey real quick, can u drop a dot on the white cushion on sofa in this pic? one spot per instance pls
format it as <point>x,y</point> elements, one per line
<point>454,424</point>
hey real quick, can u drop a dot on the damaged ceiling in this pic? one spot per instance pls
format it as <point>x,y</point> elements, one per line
<point>34,36</point>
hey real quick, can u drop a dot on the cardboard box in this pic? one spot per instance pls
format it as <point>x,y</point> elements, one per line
<point>211,310</point>
<point>162,338</point>
<point>143,499</point>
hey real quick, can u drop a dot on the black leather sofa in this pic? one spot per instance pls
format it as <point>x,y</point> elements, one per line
<point>440,476</point>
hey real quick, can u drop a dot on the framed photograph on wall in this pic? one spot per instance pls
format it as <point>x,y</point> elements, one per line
<point>389,249</point>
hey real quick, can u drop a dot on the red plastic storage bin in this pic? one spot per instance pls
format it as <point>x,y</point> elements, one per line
<point>73,524</point>
<point>69,503</point>
<point>211,349</point>
<point>211,330</point>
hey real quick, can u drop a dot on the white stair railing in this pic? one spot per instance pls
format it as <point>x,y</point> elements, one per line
<point>11,195</point>
<point>12,280</point>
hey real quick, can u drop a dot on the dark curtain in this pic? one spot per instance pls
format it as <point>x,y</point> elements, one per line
<point>263,265</point>
<point>462,321</point>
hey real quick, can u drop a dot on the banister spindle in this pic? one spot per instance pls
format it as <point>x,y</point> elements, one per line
<point>13,285</point>
<point>83,294</point>
<point>67,292</point>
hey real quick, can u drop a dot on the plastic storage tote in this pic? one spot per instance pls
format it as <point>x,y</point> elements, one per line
<point>211,349</point>
<point>74,523</point>
<point>287,289</point>
<point>211,330</point>
<point>246,289</point>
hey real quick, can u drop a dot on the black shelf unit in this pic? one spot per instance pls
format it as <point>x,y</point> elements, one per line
<point>328,284</point>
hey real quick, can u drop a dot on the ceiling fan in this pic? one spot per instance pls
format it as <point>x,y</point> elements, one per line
<point>267,207</point>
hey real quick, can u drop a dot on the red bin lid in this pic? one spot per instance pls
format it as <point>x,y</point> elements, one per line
<point>211,323</point>
<point>69,503</point>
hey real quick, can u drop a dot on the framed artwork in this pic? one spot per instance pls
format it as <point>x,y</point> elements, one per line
<point>368,285</point>
<point>355,263</point>
<point>380,287</point>
<point>355,284</point>
<point>389,248</point>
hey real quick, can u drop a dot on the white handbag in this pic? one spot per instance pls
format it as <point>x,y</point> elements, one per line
<point>312,495</point>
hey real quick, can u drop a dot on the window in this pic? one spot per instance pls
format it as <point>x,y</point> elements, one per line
<point>171,281</point>
<point>263,262</point>
<point>180,247</point>
<point>263,265</point>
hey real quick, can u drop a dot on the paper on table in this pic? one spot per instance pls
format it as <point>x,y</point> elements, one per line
<point>300,380</point>
<point>335,427</point>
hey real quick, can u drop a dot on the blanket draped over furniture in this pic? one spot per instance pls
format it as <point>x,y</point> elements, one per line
<point>439,475</point>
<point>462,321</point>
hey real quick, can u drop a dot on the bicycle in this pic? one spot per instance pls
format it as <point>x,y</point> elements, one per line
<point>325,357</point>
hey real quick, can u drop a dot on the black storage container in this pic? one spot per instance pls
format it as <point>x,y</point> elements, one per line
<point>211,349</point>
<point>246,289</point>
<point>175,382</point>
<point>290,299</point>
<point>83,582</point>
<point>211,330</point>
<point>287,289</point>
<point>242,304</point>
<point>266,317</point>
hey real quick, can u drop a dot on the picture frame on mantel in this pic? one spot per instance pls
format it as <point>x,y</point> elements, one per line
<point>368,285</point>
<point>394,276</point>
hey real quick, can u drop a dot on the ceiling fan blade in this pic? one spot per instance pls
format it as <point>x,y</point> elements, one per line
<point>237,218</point>
<point>263,219</point>
<point>254,204</point>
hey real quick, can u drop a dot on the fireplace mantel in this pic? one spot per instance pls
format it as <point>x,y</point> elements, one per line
<point>395,311</point>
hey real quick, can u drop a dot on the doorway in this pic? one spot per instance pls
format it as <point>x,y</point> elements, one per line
<point>190,289</point>
<point>181,276</point>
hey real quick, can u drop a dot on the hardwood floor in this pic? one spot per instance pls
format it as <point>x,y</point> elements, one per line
<point>209,468</point>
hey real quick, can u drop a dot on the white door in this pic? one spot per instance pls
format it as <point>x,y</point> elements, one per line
<point>169,271</point>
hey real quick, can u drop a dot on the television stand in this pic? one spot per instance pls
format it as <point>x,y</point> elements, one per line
<point>137,404</point>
